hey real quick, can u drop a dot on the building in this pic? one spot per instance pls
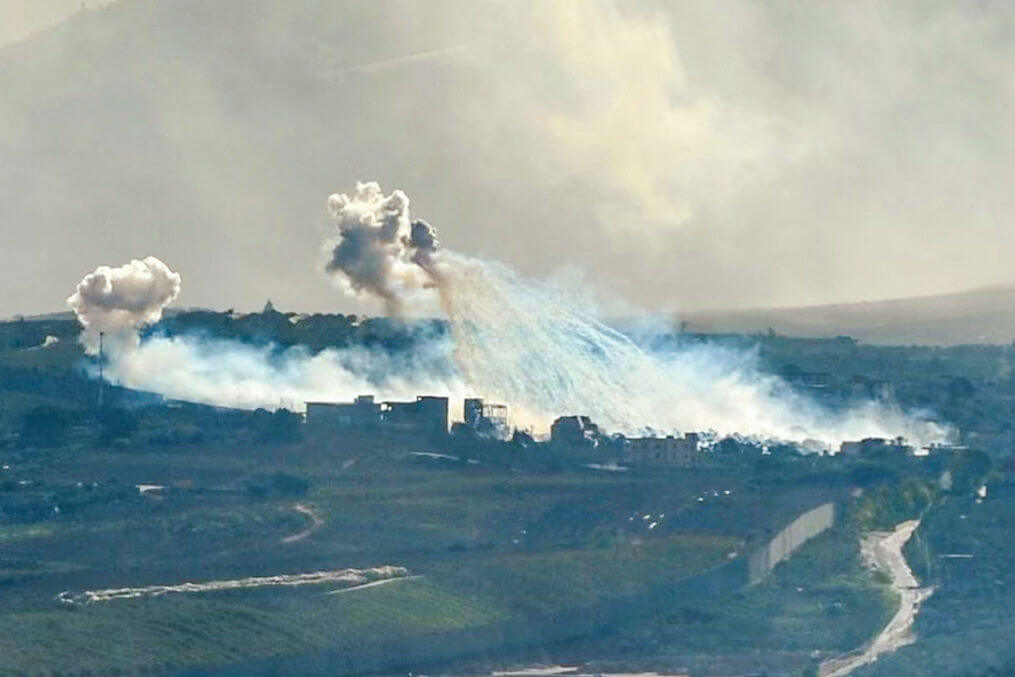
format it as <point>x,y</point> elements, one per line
<point>428,415</point>
<point>876,446</point>
<point>669,450</point>
<point>485,419</point>
<point>362,412</point>
<point>574,431</point>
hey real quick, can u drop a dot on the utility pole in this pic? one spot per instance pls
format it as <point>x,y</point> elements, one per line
<point>102,360</point>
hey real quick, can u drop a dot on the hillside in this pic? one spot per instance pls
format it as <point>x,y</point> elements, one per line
<point>976,316</point>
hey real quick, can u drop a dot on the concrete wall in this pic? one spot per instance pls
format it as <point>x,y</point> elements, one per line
<point>785,543</point>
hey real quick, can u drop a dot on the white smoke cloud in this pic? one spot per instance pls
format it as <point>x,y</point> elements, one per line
<point>377,249</point>
<point>538,348</point>
<point>233,374</point>
<point>119,301</point>
<point>545,354</point>
<point>600,93</point>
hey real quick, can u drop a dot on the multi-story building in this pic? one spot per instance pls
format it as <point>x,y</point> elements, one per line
<point>427,415</point>
<point>669,450</point>
<point>362,412</point>
<point>486,419</point>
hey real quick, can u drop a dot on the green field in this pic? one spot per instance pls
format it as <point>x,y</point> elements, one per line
<point>493,553</point>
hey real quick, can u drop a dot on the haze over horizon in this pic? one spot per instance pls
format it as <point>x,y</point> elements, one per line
<point>682,157</point>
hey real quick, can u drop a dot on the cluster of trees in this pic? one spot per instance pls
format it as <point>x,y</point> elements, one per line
<point>51,426</point>
<point>316,332</point>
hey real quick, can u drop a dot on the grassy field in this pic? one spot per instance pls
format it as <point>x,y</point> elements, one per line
<point>182,631</point>
<point>212,629</point>
<point>820,602</point>
<point>489,549</point>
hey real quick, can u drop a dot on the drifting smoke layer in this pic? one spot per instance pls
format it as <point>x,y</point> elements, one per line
<point>233,374</point>
<point>119,301</point>
<point>529,346</point>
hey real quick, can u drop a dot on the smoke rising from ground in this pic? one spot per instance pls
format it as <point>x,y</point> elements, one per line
<point>542,352</point>
<point>233,374</point>
<point>119,301</point>
<point>539,348</point>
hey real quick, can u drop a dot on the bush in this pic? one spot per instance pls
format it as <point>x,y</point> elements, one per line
<point>116,424</point>
<point>44,426</point>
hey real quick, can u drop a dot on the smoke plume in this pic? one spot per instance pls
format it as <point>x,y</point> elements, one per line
<point>234,374</point>
<point>378,251</point>
<point>119,301</point>
<point>543,351</point>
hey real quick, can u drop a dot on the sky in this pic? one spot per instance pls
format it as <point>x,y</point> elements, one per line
<point>20,19</point>
<point>676,155</point>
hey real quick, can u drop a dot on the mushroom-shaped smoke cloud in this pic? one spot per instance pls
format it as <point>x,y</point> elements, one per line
<point>119,301</point>
<point>378,251</point>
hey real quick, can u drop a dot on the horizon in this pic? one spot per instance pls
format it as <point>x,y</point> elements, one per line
<point>365,312</point>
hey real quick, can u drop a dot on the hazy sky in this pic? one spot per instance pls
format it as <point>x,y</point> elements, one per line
<point>679,154</point>
<point>20,19</point>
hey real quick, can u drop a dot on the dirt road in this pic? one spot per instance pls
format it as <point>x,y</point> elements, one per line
<point>883,551</point>
<point>315,523</point>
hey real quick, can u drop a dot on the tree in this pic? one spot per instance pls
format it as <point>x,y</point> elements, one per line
<point>44,426</point>
<point>115,424</point>
<point>280,426</point>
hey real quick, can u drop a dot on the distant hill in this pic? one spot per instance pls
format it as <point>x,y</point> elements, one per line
<point>985,316</point>
<point>976,316</point>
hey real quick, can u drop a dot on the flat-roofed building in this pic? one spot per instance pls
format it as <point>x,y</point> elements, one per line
<point>427,415</point>
<point>671,450</point>
<point>362,412</point>
<point>485,418</point>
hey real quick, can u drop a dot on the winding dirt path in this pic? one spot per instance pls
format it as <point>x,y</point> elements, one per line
<point>883,551</point>
<point>315,523</point>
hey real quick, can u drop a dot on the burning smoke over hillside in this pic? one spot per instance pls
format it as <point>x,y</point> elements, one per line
<point>120,302</point>
<point>536,347</point>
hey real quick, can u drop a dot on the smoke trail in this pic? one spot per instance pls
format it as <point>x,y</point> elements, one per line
<point>119,301</point>
<point>534,348</point>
